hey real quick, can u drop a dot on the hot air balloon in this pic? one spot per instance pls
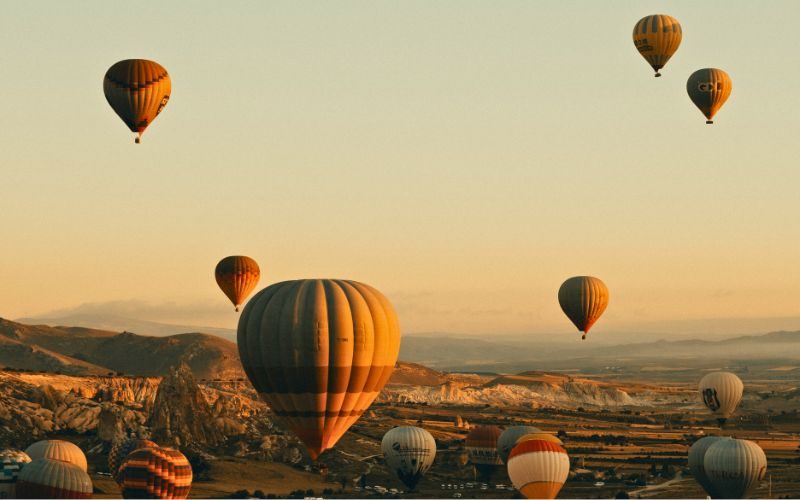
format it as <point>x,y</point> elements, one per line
<point>481,444</point>
<point>540,436</point>
<point>58,450</point>
<point>318,352</point>
<point>137,90</point>
<point>409,453</point>
<point>509,437</point>
<point>708,89</point>
<point>721,392</point>
<point>120,451</point>
<point>656,38</point>
<point>155,473</point>
<point>50,478</point>
<point>538,469</point>
<point>11,462</point>
<point>697,455</point>
<point>734,467</point>
<point>237,275</point>
<point>583,299</point>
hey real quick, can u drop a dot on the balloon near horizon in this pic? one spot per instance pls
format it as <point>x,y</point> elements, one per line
<point>583,299</point>
<point>237,276</point>
<point>318,351</point>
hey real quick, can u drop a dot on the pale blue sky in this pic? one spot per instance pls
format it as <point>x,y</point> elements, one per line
<point>463,157</point>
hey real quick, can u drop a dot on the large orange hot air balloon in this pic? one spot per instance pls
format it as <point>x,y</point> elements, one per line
<point>137,90</point>
<point>708,89</point>
<point>656,38</point>
<point>583,299</point>
<point>237,275</point>
<point>318,352</point>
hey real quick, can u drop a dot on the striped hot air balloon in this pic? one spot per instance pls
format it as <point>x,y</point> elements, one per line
<point>708,89</point>
<point>11,462</point>
<point>137,90</point>
<point>538,469</point>
<point>120,451</point>
<point>481,444</point>
<point>721,393</point>
<point>49,478</point>
<point>657,37</point>
<point>319,352</point>
<point>409,453</point>
<point>697,455</point>
<point>237,275</point>
<point>509,437</point>
<point>583,299</point>
<point>155,473</point>
<point>734,467</point>
<point>58,450</point>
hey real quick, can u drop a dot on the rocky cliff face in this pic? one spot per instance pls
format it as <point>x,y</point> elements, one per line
<point>181,415</point>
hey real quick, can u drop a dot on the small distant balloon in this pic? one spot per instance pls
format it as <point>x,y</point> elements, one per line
<point>409,453</point>
<point>657,37</point>
<point>721,393</point>
<point>708,89</point>
<point>237,276</point>
<point>137,90</point>
<point>583,299</point>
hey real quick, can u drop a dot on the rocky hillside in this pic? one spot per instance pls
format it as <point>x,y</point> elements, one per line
<point>83,351</point>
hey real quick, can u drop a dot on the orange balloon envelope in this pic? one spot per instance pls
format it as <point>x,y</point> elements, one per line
<point>155,473</point>
<point>708,89</point>
<point>583,299</point>
<point>656,38</point>
<point>237,275</point>
<point>120,451</point>
<point>137,90</point>
<point>318,351</point>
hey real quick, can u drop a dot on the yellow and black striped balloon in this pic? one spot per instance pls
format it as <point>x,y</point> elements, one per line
<point>583,299</point>
<point>137,90</point>
<point>657,37</point>
<point>708,89</point>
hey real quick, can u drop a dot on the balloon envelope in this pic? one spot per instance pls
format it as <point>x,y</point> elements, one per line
<point>237,275</point>
<point>538,469</point>
<point>409,453</point>
<point>540,436</point>
<point>583,299</point>
<point>509,437</point>
<point>708,89</point>
<point>58,450</point>
<point>721,393</point>
<point>697,455</point>
<point>137,90</point>
<point>734,467</point>
<point>657,37</point>
<point>11,462</point>
<point>318,352</point>
<point>120,451</point>
<point>50,478</point>
<point>155,473</point>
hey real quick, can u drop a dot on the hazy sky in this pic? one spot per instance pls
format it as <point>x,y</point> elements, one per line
<point>463,157</point>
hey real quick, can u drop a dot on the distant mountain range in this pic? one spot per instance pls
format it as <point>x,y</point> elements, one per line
<point>85,351</point>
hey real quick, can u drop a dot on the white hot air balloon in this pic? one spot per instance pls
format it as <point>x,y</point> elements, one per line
<point>50,478</point>
<point>734,467</point>
<point>409,453</point>
<point>697,455</point>
<point>58,450</point>
<point>538,469</point>
<point>721,393</point>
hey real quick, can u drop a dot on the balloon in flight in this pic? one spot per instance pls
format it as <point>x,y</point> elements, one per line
<point>583,299</point>
<point>708,89</point>
<point>409,453</point>
<point>697,455</point>
<point>734,467</point>
<point>137,90</point>
<point>657,37</point>
<point>318,351</point>
<point>509,437</point>
<point>237,275</point>
<point>538,469</point>
<point>721,393</point>
<point>481,445</point>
